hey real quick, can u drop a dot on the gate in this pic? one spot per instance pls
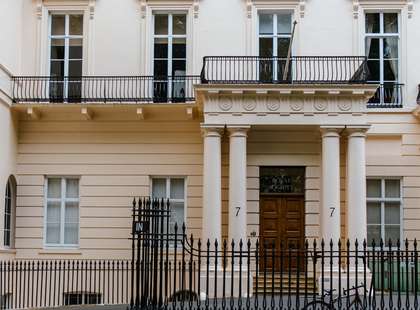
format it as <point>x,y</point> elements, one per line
<point>152,238</point>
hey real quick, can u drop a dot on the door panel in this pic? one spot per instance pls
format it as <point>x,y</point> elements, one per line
<point>282,221</point>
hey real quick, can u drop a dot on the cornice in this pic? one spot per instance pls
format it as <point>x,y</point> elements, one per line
<point>195,4</point>
<point>300,4</point>
<point>65,4</point>
<point>357,4</point>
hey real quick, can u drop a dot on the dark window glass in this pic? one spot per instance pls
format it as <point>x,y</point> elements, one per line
<point>161,68</point>
<point>76,49</point>
<point>57,68</point>
<point>178,67</point>
<point>179,24</point>
<point>283,47</point>
<point>390,22</point>
<point>374,70</point>
<point>58,24</point>
<point>76,25</point>
<point>179,48</point>
<point>266,47</point>
<point>372,48</point>
<point>57,49</point>
<point>161,24</point>
<point>75,68</point>
<point>161,48</point>
<point>372,23</point>
<point>282,180</point>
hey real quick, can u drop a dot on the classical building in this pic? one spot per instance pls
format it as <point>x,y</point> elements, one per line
<point>251,124</point>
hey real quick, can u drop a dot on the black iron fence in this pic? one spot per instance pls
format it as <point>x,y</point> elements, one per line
<point>172,270</point>
<point>126,89</point>
<point>387,95</point>
<point>272,70</point>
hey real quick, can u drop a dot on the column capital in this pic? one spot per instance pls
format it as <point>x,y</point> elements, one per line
<point>357,131</point>
<point>212,130</point>
<point>238,130</point>
<point>331,131</point>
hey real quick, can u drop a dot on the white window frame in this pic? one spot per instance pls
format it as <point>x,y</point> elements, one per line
<point>168,192</point>
<point>383,200</point>
<point>381,35</point>
<point>275,36</point>
<point>66,37</point>
<point>62,201</point>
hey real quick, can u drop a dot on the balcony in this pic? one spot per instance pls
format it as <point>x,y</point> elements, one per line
<point>104,89</point>
<point>276,70</point>
<point>388,95</point>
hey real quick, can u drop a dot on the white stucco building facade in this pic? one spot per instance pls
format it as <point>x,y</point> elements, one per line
<point>102,101</point>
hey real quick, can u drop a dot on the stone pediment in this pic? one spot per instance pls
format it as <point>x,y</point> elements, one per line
<point>284,104</point>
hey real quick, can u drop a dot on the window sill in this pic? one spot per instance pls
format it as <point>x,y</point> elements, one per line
<point>52,251</point>
<point>7,251</point>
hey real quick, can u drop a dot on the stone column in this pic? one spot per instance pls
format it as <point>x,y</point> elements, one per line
<point>356,183</point>
<point>330,185</point>
<point>212,184</point>
<point>237,184</point>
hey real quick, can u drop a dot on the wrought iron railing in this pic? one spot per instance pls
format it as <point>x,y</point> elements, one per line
<point>272,70</point>
<point>387,95</point>
<point>148,89</point>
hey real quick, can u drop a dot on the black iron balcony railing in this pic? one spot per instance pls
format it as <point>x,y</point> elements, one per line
<point>388,95</point>
<point>147,89</point>
<point>272,70</point>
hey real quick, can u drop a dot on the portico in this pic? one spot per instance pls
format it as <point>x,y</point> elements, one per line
<point>335,114</point>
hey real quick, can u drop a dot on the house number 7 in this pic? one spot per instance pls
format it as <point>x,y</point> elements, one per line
<point>237,210</point>
<point>332,211</point>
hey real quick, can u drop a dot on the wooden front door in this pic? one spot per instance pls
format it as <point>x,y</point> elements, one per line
<point>282,221</point>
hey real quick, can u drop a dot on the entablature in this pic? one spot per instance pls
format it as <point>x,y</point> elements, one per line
<point>284,104</point>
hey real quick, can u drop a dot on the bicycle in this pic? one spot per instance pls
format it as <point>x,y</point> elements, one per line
<point>344,301</point>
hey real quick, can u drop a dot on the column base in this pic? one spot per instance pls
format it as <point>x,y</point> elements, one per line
<point>219,275</point>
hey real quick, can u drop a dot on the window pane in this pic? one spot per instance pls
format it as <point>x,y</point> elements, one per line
<point>159,188</point>
<point>161,68</point>
<point>266,47</point>
<point>75,68</point>
<point>392,232</point>
<point>179,48</point>
<point>392,213</point>
<point>373,233</point>
<point>72,188</point>
<point>283,47</point>
<point>54,188</point>
<point>179,24</point>
<point>392,189</point>
<point>161,48</point>
<point>373,213</point>
<point>71,233</point>
<point>75,49</point>
<point>373,188</point>
<point>178,67</point>
<point>58,23</point>
<point>390,47</point>
<point>372,23</point>
<point>161,24</point>
<point>372,48</point>
<point>53,233</point>
<point>177,214</point>
<point>57,49</point>
<point>390,22</point>
<point>284,23</point>
<point>57,68</point>
<point>177,188</point>
<point>390,70</point>
<point>266,24</point>
<point>374,70</point>
<point>76,25</point>
<point>72,212</point>
<point>53,212</point>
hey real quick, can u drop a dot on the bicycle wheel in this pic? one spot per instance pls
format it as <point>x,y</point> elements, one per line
<point>317,305</point>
